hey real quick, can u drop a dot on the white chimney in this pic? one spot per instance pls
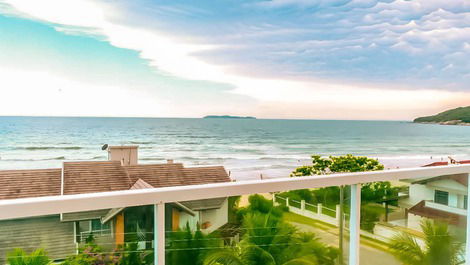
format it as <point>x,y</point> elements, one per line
<point>127,155</point>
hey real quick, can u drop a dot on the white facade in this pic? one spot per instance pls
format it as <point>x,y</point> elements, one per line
<point>427,191</point>
<point>212,219</point>
<point>215,218</point>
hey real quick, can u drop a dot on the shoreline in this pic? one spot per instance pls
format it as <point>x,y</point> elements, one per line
<point>390,162</point>
<point>455,123</point>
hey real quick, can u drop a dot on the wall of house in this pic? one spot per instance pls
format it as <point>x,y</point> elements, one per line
<point>456,191</point>
<point>448,185</point>
<point>186,218</point>
<point>418,192</point>
<point>56,237</point>
<point>414,222</point>
<point>215,218</point>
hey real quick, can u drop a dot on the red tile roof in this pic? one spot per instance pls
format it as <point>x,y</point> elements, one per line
<point>15,184</point>
<point>460,178</point>
<point>173,174</point>
<point>89,177</point>
<point>434,164</point>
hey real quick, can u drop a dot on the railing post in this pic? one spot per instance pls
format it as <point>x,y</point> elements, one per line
<point>467,243</point>
<point>319,208</point>
<point>338,212</point>
<point>159,234</point>
<point>354,224</point>
<point>287,201</point>
<point>302,205</point>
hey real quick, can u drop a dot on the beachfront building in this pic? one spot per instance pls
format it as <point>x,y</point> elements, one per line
<point>439,198</point>
<point>62,234</point>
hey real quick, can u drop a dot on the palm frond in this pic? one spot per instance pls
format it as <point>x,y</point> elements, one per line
<point>442,247</point>
<point>223,257</point>
<point>300,261</point>
<point>20,257</point>
<point>253,255</point>
<point>407,250</point>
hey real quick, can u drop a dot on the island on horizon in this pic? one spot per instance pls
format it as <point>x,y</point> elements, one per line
<point>228,117</point>
<point>457,116</point>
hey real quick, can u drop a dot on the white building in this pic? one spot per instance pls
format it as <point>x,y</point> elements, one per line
<point>439,198</point>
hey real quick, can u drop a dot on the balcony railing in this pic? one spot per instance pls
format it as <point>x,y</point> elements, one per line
<point>158,197</point>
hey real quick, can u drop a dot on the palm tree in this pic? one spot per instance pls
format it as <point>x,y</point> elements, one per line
<point>20,257</point>
<point>249,255</point>
<point>268,240</point>
<point>441,248</point>
<point>188,247</point>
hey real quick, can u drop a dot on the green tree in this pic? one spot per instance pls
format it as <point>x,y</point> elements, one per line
<point>268,239</point>
<point>441,248</point>
<point>259,204</point>
<point>335,195</point>
<point>132,255</point>
<point>337,164</point>
<point>190,247</point>
<point>92,254</point>
<point>20,257</point>
<point>249,255</point>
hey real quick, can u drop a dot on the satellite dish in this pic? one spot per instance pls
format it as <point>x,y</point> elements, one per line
<point>104,147</point>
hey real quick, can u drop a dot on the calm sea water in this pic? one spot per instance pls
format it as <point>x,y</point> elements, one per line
<point>247,148</point>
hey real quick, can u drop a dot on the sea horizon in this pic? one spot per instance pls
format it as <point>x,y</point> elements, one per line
<point>144,117</point>
<point>246,148</point>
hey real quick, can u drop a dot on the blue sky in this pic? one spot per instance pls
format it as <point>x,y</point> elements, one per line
<point>335,59</point>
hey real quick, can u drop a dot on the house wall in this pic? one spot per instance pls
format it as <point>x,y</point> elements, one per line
<point>216,217</point>
<point>56,237</point>
<point>448,185</point>
<point>419,192</point>
<point>414,222</point>
<point>186,218</point>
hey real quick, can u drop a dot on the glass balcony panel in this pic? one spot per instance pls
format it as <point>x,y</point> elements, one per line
<point>258,228</point>
<point>106,236</point>
<point>414,219</point>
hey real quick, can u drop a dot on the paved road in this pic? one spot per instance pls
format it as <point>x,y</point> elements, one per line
<point>368,255</point>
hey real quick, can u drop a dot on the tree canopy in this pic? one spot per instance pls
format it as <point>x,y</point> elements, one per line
<point>337,164</point>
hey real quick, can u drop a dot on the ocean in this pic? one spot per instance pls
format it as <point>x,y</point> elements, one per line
<point>247,148</point>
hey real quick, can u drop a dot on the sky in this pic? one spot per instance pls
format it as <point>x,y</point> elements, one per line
<point>301,59</point>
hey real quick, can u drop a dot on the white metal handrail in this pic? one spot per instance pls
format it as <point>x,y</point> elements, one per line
<point>29,207</point>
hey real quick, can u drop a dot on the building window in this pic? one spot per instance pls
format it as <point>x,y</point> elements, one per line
<point>97,226</point>
<point>441,197</point>
<point>465,202</point>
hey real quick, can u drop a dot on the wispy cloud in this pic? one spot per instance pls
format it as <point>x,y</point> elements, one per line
<point>359,55</point>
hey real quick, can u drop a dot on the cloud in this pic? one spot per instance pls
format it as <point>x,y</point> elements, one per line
<point>327,54</point>
<point>60,96</point>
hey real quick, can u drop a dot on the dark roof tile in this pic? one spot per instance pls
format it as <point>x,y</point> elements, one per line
<point>15,184</point>
<point>89,177</point>
<point>101,176</point>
